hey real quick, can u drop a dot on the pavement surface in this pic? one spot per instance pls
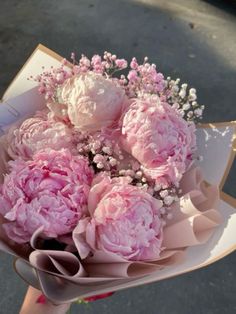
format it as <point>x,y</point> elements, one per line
<point>193,40</point>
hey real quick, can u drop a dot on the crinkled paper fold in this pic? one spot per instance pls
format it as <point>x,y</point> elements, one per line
<point>201,232</point>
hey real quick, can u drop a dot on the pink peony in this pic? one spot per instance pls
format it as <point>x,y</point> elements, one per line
<point>159,138</point>
<point>91,100</point>
<point>50,191</point>
<point>39,132</point>
<point>125,221</point>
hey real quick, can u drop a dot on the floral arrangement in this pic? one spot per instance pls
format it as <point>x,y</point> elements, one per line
<point>105,173</point>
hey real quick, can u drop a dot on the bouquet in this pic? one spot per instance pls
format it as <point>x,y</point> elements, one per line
<point>109,180</point>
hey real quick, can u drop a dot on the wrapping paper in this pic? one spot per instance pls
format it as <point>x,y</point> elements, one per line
<point>206,219</point>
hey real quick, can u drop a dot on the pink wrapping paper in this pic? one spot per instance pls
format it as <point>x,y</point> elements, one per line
<point>62,276</point>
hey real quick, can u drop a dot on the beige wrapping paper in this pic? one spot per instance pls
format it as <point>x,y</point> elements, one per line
<point>198,234</point>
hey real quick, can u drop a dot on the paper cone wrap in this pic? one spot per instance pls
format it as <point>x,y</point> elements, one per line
<point>200,233</point>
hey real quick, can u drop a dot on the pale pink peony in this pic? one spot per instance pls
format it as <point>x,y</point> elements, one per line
<point>39,132</point>
<point>91,101</point>
<point>125,221</point>
<point>50,191</point>
<point>159,138</point>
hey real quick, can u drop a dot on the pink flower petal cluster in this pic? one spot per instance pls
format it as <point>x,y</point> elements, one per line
<point>125,221</point>
<point>92,101</point>
<point>144,79</point>
<point>48,81</point>
<point>37,133</point>
<point>159,138</point>
<point>51,190</point>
